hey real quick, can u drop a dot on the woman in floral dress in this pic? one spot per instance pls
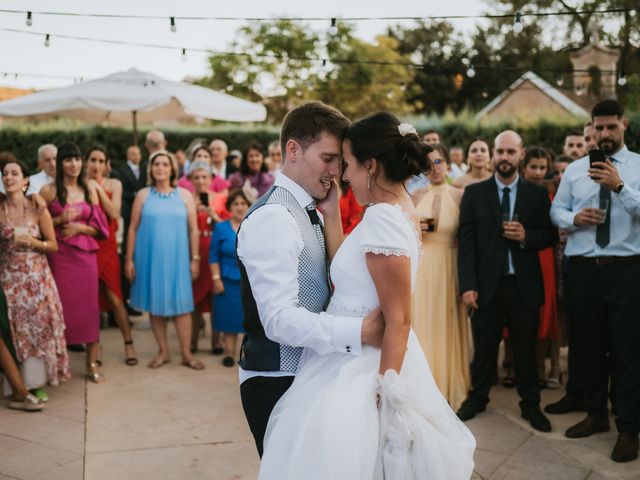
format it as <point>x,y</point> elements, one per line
<point>35,312</point>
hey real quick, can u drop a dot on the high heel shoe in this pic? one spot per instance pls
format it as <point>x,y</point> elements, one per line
<point>93,374</point>
<point>555,378</point>
<point>131,361</point>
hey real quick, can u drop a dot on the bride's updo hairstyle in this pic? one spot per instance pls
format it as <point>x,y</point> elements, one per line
<point>395,146</point>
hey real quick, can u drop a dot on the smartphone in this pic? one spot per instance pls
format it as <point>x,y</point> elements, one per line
<point>596,156</point>
<point>204,199</point>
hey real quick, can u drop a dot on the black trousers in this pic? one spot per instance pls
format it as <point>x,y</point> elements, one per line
<point>507,308</point>
<point>574,382</point>
<point>605,299</point>
<point>259,396</point>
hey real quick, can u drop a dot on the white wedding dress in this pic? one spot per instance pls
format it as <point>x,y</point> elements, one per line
<point>327,426</point>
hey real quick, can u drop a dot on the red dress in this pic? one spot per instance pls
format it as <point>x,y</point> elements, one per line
<point>548,327</point>
<point>109,264</point>
<point>350,210</point>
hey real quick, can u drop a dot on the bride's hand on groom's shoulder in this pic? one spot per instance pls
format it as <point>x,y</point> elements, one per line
<point>373,328</point>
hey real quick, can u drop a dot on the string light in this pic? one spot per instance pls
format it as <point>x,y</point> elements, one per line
<point>29,21</point>
<point>47,40</point>
<point>471,72</point>
<point>559,80</point>
<point>517,24</point>
<point>184,54</point>
<point>173,24</point>
<point>333,29</point>
<point>622,79</point>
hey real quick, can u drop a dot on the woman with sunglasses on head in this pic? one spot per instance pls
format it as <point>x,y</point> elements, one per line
<point>110,194</point>
<point>439,317</point>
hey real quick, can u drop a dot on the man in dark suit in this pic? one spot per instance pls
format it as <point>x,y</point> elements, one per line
<point>504,222</point>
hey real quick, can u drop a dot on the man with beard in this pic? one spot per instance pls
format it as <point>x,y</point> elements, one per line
<point>504,223</point>
<point>574,145</point>
<point>589,137</point>
<point>599,205</point>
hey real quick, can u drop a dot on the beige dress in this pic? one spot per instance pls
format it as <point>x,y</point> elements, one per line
<point>439,318</point>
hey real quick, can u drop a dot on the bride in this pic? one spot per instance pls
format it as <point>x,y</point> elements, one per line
<point>380,414</point>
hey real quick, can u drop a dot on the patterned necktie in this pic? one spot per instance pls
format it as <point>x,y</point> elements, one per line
<point>319,231</point>
<point>506,213</point>
<point>603,229</point>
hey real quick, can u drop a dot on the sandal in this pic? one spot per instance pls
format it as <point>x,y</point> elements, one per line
<point>217,351</point>
<point>228,361</point>
<point>30,403</point>
<point>194,363</point>
<point>131,361</point>
<point>158,361</point>
<point>40,394</point>
<point>93,374</point>
<point>509,380</point>
<point>555,378</point>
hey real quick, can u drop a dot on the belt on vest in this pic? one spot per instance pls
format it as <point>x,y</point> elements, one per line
<point>610,260</point>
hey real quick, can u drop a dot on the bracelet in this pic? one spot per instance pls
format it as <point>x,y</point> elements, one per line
<point>216,277</point>
<point>44,245</point>
<point>195,257</point>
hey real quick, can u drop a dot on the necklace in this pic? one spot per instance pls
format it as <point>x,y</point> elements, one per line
<point>163,194</point>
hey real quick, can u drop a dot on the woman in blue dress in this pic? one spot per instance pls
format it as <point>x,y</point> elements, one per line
<point>162,256</point>
<point>226,276</point>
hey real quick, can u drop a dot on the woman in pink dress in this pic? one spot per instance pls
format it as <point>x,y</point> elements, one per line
<point>78,220</point>
<point>201,153</point>
<point>35,313</point>
<point>111,298</point>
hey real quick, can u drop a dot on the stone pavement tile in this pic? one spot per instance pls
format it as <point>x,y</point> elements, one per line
<point>496,433</point>
<point>34,459</point>
<point>7,444</point>
<point>487,462</point>
<point>71,471</point>
<point>519,467</point>
<point>595,452</point>
<point>595,476</point>
<point>2,477</point>
<point>73,409</point>
<point>33,426</point>
<point>70,439</point>
<point>233,461</point>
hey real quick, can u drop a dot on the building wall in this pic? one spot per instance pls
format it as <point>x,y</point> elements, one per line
<point>526,103</point>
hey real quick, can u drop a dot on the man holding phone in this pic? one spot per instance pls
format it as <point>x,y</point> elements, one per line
<point>598,202</point>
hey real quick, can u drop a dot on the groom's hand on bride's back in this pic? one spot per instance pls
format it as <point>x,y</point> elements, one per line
<point>373,328</point>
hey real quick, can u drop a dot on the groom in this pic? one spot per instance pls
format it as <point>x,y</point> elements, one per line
<point>284,257</point>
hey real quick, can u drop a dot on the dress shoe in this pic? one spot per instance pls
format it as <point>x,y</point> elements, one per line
<point>588,427</point>
<point>133,312</point>
<point>566,404</point>
<point>536,418</point>
<point>469,409</point>
<point>626,448</point>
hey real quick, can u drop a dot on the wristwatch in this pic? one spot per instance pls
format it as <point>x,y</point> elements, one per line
<point>619,187</point>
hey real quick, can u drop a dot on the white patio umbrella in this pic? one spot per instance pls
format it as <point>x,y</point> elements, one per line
<point>133,96</point>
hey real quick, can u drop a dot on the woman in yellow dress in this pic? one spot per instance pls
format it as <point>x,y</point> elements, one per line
<point>439,317</point>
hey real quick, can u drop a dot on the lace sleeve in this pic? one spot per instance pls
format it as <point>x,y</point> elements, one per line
<point>384,231</point>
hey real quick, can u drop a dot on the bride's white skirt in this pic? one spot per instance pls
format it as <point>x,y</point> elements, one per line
<point>328,427</point>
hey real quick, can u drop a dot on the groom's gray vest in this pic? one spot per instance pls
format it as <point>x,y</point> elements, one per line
<point>258,353</point>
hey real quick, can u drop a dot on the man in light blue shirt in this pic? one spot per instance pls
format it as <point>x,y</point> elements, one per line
<point>599,205</point>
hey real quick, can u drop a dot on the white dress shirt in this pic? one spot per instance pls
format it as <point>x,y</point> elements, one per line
<point>269,246</point>
<point>220,172</point>
<point>37,181</point>
<point>134,168</point>
<point>513,190</point>
<point>577,191</point>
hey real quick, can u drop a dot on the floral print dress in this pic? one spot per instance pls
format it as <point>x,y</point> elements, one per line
<point>35,312</point>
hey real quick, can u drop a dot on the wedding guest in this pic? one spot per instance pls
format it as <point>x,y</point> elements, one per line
<point>234,161</point>
<point>536,164</point>
<point>34,310</point>
<point>478,159</point>
<point>439,317</point>
<point>505,288</point>
<point>133,177</point>
<point>458,167</point>
<point>20,399</point>
<point>599,205</point>
<point>217,184</point>
<point>589,137</point>
<point>274,161</point>
<point>253,176</point>
<point>431,137</point>
<point>219,164</point>
<point>183,163</point>
<point>46,166</point>
<point>574,145</point>
<point>78,220</point>
<point>226,276</point>
<point>210,209</point>
<point>162,257</point>
<point>111,297</point>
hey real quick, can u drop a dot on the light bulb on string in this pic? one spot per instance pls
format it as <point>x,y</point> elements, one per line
<point>517,24</point>
<point>47,40</point>
<point>184,55</point>
<point>485,94</point>
<point>29,21</point>
<point>559,80</point>
<point>333,29</point>
<point>173,24</point>
<point>324,62</point>
<point>471,72</point>
<point>622,79</point>
<point>632,13</point>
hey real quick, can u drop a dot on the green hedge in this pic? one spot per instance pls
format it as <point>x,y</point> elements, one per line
<point>23,140</point>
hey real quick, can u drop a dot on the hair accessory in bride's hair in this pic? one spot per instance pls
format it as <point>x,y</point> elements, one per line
<point>407,129</point>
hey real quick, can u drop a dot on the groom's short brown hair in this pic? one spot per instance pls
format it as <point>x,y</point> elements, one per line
<point>309,121</point>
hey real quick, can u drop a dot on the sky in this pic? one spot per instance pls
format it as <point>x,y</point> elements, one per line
<point>26,54</point>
